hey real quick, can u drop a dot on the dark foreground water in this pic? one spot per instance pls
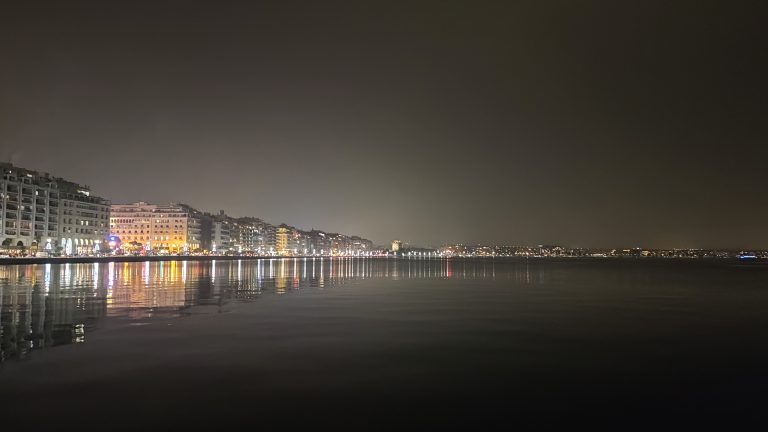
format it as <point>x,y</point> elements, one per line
<point>361,343</point>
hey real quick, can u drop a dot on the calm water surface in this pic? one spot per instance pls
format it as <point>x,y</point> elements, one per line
<point>376,341</point>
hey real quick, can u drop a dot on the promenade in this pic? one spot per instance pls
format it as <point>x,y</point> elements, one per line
<point>125,258</point>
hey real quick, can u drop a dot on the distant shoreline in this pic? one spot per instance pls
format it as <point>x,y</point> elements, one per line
<point>123,258</point>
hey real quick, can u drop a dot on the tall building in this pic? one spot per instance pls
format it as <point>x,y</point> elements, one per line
<point>256,236</point>
<point>302,242</point>
<point>221,232</point>
<point>318,242</point>
<point>289,241</point>
<point>338,243</point>
<point>282,240</point>
<point>221,240</point>
<point>173,228</point>
<point>50,213</point>
<point>83,219</point>
<point>29,207</point>
<point>218,233</point>
<point>248,237</point>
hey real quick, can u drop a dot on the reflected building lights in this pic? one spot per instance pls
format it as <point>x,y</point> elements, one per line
<point>95,275</point>
<point>47,278</point>
<point>52,304</point>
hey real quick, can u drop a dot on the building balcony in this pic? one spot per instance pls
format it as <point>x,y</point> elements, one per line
<point>10,231</point>
<point>11,215</point>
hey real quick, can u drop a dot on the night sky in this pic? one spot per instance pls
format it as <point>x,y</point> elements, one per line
<point>584,123</point>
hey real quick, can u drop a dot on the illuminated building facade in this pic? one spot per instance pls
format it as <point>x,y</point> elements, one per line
<point>172,228</point>
<point>51,213</point>
<point>255,235</point>
<point>243,235</point>
<point>248,237</point>
<point>360,245</point>
<point>282,240</point>
<point>318,242</point>
<point>83,219</point>
<point>29,207</point>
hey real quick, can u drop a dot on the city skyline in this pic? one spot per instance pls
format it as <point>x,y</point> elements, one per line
<point>219,226</point>
<point>44,213</point>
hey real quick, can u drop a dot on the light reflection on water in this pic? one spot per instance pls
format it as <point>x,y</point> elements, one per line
<point>47,305</point>
<point>634,337</point>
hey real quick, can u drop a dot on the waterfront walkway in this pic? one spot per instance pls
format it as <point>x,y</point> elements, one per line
<point>142,258</point>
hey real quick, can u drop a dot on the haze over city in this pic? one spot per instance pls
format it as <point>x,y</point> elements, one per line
<point>429,215</point>
<point>582,123</point>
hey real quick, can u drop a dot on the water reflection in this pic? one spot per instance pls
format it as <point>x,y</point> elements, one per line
<point>48,305</point>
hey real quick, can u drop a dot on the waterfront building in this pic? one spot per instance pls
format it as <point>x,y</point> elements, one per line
<point>283,240</point>
<point>360,245</point>
<point>303,242</point>
<point>396,245</point>
<point>318,242</point>
<point>218,233</point>
<point>291,241</point>
<point>83,219</point>
<point>230,235</point>
<point>171,228</point>
<point>206,230</point>
<point>257,236</point>
<point>220,236</point>
<point>340,244</point>
<point>29,208</point>
<point>49,213</point>
<point>270,238</point>
<point>248,237</point>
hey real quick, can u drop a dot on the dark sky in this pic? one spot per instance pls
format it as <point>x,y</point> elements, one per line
<point>586,123</point>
